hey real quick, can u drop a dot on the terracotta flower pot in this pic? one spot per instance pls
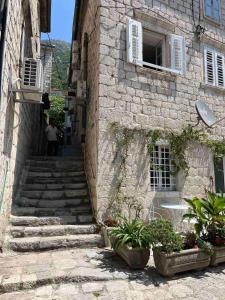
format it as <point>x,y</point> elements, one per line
<point>176,262</point>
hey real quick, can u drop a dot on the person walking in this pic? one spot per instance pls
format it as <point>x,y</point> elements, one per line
<point>52,137</point>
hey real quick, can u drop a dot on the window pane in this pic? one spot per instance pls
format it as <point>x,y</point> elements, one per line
<point>208,8</point>
<point>219,176</point>
<point>161,177</point>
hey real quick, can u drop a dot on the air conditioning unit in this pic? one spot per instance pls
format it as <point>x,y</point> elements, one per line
<point>32,75</point>
<point>81,90</point>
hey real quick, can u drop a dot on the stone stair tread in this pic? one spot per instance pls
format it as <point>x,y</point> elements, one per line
<point>54,194</point>
<point>51,230</point>
<point>56,180</point>
<point>52,186</point>
<point>52,203</point>
<point>51,220</point>
<point>56,174</point>
<point>50,211</point>
<point>44,243</point>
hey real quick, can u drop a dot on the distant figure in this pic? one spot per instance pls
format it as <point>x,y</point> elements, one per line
<point>52,136</point>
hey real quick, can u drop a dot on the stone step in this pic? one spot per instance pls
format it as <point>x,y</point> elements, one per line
<point>78,156</point>
<point>50,211</point>
<point>55,163</point>
<point>51,230</point>
<point>26,202</point>
<point>50,243</point>
<point>41,221</point>
<point>59,180</point>
<point>55,174</point>
<point>54,169</point>
<point>54,194</point>
<point>52,186</point>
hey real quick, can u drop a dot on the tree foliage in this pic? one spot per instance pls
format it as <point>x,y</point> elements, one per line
<point>56,109</point>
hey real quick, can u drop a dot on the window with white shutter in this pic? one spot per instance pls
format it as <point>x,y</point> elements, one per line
<point>178,61</point>
<point>212,9</point>
<point>134,42</point>
<point>150,49</point>
<point>214,68</point>
<point>220,70</point>
<point>209,67</point>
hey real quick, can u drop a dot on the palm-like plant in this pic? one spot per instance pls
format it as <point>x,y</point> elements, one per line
<point>208,213</point>
<point>131,233</point>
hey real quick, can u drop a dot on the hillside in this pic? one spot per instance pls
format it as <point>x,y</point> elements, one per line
<point>61,62</point>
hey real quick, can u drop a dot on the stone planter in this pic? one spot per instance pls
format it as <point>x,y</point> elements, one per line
<point>176,262</point>
<point>218,255</point>
<point>106,237</point>
<point>135,258</point>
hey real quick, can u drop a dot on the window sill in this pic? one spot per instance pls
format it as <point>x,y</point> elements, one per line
<point>166,194</point>
<point>212,87</point>
<point>212,21</point>
<point>156,73</point>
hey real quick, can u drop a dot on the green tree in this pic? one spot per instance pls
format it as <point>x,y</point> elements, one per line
<point>56,109</point>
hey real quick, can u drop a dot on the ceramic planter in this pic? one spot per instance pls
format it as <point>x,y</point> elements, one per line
<point>218,255</point>
<point>106,235</point>
<point>176,262</point>
<point>135,258</point>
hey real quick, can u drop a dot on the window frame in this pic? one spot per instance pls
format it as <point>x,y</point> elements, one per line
<point>157,184</point>
<point>135,48</point>
<point>211,17</point>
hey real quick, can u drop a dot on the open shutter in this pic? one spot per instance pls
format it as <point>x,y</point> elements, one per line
<point>178,57</point>
<point>134,42</point>
<point>209,66</point>
<point>216,10</point>
<point>220,70</point>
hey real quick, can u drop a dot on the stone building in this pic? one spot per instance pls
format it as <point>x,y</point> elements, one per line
<point>22,22</point>
<point>143,65</point>
<point>47,58</point>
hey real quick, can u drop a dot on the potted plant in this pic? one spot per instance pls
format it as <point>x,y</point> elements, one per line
<point>209,215</point>
<point>131,241</point>
<point>171,254</point>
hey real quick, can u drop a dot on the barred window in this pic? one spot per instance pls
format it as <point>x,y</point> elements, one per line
<point>162,168</point>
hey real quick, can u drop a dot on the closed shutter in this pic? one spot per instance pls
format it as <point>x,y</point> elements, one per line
<point>208,8</point>
<point>220,70</point>
<point>178,55</point>
<point>134,42</point>
<point>216,10</point>
<point>209,66</point>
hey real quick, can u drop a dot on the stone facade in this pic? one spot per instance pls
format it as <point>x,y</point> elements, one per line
<point>17,120</point>
<point>140,97</point>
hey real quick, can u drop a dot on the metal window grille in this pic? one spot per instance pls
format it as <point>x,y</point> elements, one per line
<point>162,168</point>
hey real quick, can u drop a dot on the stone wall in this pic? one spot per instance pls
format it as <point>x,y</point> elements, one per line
<point>16,118</point>
<point>93,33</point>
<point>141,97</point>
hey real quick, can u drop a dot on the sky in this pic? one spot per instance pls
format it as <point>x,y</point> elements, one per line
<point>62,19</point>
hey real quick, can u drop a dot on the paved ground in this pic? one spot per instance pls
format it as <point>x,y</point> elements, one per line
<point>99,275</point>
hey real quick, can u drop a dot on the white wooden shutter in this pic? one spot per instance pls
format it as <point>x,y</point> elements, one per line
<point>209,66</point>
<point>134,42</point>
<point>178,53</point>
<point>220,80</point>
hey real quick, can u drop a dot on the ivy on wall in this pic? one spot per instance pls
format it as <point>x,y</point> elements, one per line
<point>178,142</point>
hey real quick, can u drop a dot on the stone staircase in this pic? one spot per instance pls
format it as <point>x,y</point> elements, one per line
<point>53,208</point>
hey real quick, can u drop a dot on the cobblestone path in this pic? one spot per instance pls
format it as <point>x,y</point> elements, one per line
<point>100,275</point>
